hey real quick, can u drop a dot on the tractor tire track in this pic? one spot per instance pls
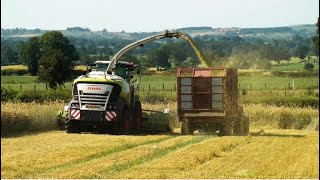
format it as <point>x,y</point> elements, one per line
<point>159,153</point>
<point>94,156</point>
<point>184,160</point>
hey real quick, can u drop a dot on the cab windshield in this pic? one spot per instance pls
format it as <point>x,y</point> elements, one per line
<point>101,67</point>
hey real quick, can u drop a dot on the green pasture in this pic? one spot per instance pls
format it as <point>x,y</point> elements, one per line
<point>292,67</point>
<point>168,82</point>
<point>277,83</point>
<point>18,79</point>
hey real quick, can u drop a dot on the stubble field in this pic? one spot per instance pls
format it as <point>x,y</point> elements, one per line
<point>271,153</point>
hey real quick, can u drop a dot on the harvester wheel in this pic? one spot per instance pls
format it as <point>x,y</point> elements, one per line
<point>72,127</point>
<point>60,123</point>
<point>124,121</point>
<point>137,115</point>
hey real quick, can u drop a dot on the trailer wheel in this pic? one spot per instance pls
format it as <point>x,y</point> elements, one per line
<point>72,126</point>
<point>246,125</point>
<point>241,126</point>
<point>183,128</point>
<point>238,126</point>
<point>186,128</point>
<point>226,128</point>
<point>190,128</point>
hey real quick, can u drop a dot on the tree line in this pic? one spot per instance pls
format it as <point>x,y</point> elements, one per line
<point>172,52</point>
<point>52,52</point>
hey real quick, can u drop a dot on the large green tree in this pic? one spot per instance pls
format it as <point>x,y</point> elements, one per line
<point>51,57</point>
<point>8,56</point>
<point>159,57</point>
<point>56,61</point>
<point>30,54</point>
<point>280,53</point>
<point>301,51</point>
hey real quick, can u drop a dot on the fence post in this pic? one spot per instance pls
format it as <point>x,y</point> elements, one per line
<point>142,89</point>
<point>239,86</point>
<point>20,87</point>
<point>171,91</point>
<point>285,92</point>
<point>292,84</point>
<point>163,87</point>
<point>46,87</point>
<point>35,87</point>
<point>149,87</point>
<point>265,86</point>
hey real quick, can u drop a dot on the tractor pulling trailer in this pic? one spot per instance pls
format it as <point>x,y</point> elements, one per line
<point>106,96</point>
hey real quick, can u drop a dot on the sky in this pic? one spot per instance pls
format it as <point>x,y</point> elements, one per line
<point>155,15</point>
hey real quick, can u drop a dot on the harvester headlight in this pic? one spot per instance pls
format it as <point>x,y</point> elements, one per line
<point>76,98</point>
<point>73,105</point>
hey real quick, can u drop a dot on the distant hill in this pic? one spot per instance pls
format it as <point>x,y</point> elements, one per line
<point>305,30</point>
<point>195,29</point>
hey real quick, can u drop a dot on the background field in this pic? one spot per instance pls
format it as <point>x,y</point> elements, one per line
<point>157,82</point>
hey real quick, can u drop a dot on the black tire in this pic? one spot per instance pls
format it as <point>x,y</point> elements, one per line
<point>126,121</point>
<point>186,128</point>
<point>225,128</point>
<point>238,126</point>
<point>122,126</point>
<point>209,128</point>
<point>241,126</point>
<point>183,128</point>
<point>137,115</point>
<point>189,128</point>
<point>72,126</point>
<point>246,125</point>
<point>60,123</point>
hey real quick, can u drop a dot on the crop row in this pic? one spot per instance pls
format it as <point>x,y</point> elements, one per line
<point>17,118</point>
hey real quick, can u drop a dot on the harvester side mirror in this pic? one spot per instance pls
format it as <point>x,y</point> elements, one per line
<point>84,73</point>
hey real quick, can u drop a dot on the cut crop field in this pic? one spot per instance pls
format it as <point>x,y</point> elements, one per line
<point>268,153</point>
